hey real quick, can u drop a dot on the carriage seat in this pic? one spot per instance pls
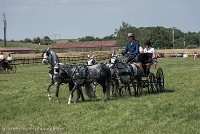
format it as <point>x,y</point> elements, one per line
<point>146,58</point>
<point>147,61</point>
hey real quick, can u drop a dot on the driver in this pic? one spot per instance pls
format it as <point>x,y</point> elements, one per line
<point>131,48</point>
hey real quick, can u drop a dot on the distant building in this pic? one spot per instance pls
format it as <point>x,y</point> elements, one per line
<point>85,46</point>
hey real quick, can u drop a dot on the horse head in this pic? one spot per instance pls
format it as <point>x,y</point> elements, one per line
<point>91,60</point>
<point>114,58</point>
<point>49,56</point>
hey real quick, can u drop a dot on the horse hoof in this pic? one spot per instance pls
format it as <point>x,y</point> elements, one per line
<point>69,103</point>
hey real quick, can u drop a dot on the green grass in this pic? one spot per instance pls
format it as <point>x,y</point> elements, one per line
<point>25,108</point>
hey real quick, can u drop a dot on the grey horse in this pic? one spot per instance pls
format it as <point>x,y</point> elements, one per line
<point>85,75</point>
<point>125,74</point>
<point>50,57</point>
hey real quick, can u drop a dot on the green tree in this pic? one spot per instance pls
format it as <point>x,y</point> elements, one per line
<point>160,38</point>
<point>27,40</point>
<point>87,38</point>
<point>36,40</point>
<point>46,41</point>
<point>192,38</point>
<point>110,37</point>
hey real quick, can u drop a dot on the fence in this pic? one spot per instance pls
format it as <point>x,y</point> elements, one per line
<point>38,60</point>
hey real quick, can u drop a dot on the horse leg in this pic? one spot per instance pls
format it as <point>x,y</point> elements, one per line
<point>57,91</point>
<point>48,89</point>
<point>79,94</point>
<point>129,89</point>
<point>139,83</point>
<point>71,93</point>
<point>104,91</point>
<point>95,86</point>
<point>114,89</point>
<point>71,85</point>
<point>134,87</point>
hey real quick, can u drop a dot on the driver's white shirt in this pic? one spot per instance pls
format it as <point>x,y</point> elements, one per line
<point>1,57</point>
<point>9,58</point>
<point>141,49</point>
<point>149,50</point>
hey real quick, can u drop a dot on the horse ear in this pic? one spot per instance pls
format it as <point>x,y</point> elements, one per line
<point>47,49</point>
<point>93,56</point>
<point>88,56</point>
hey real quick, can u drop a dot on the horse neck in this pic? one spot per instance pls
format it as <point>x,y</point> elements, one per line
<point>54,59</point>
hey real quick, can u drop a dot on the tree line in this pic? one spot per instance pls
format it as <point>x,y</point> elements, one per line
<point>160,37</point>
<point>91,38</point>
<point>41,41</point>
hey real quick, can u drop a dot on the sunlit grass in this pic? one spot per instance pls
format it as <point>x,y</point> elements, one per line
<point>24,104</point>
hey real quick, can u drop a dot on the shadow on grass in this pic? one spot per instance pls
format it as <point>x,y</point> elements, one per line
<point>168,90</point>
<point>145,92</point>
<point>112,98</point>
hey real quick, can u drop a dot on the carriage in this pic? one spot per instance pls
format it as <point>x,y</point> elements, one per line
<point>6,67</point>
<point>153,82</point>
<point>137,74</point>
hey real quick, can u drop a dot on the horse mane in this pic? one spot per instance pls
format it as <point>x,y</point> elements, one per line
<point>55,57</point>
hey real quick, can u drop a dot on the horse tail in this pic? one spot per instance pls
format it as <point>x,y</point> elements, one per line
<point>108,72</point>
<point>106,78</point>
<point>89,91</point>
<point>108,81</point>
<point>108,85</point>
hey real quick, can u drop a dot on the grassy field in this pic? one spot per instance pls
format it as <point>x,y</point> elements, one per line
<point>25,108</point>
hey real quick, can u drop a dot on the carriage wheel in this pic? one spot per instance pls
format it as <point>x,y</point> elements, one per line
<point>160,79</point>
<point>152,83</point>
<point>12,68</point>
<point>1,69</point>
